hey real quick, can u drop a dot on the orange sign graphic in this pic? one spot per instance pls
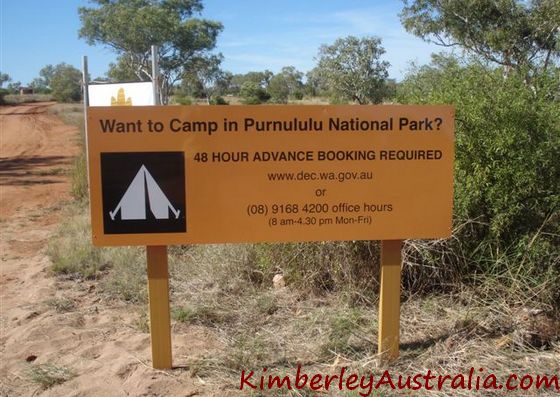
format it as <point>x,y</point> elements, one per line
<point>211,174</point>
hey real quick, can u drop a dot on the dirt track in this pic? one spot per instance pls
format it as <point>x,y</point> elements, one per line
<point>35,150</point>
<point>96,339</point>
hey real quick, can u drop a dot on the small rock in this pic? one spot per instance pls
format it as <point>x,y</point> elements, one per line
<point>278,281</point>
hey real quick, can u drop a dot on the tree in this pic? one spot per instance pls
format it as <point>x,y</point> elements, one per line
<point>287,83</point>
<point>315,85</point>
<point>262,79</point>
<point>124,71</point>
<point>253,94</point>
<point>278,89</point>
<point>223,83</point>
<point>42,84</point>
<point>516,34</point>
<point>64,80</point>
<point>131,27</point>
<point>352,69</point>
<point>201,75</point>
<point>39,86</point>
<point>4,78</point>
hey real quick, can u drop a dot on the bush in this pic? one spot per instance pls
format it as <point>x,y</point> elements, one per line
<point>79,187</point>
<point>182,100</point>
<point>218,100</point>
<point>66,83</point>
<point>3,93</point>
<point>71,251</point>
<point>507,167</point>
<point>350,268</point>
<point>253,94</point>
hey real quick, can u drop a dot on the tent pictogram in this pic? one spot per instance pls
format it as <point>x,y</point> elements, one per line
<point>144,194</point>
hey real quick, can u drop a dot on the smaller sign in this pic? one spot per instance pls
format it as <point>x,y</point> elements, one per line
<point>143,192</point>
<point>121,94</point>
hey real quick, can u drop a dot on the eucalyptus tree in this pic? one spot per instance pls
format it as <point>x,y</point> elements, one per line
<point>131,27</point>
<point>352,69</point>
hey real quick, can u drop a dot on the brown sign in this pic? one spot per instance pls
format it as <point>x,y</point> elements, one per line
<point>211,174</point>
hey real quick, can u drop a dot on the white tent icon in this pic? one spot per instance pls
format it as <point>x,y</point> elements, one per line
<point>133,204</point>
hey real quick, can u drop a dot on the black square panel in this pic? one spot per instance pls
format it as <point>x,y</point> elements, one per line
<point>143,192</point>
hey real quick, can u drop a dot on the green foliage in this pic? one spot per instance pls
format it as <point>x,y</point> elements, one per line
<point>4,78</point>
<point>126,279</point>
<point>65,82</point>
<point>131,27</point>
<point>61,305</point>
<point>316,267</point>
<point>182,100</point>
<point>3,93</point>
<point>507,169</point>
<point>286,84</point>
<point>260,79</point>
<point>352,69</point>
<point>201,76</point>
<point>124,70</point>
<point>343,325</point>
<point>253,94</point>
<point>315,85</point>
<point>278,89</point>
<point>71,251</point>
<point>79,184</point>
<point>49,374</point>
<point>218,100</point>
<point>199,314</point>
<point>513,33</point>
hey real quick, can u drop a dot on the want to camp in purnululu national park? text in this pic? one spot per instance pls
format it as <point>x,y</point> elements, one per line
<point>252,125</point>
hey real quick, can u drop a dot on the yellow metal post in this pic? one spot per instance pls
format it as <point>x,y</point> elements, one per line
<point>160,323</point>
<point>390,300</point>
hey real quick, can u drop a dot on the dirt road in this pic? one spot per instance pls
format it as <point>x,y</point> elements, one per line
<point>92,339</point>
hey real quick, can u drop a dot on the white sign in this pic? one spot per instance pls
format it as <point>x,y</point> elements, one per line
<point>121,94</point>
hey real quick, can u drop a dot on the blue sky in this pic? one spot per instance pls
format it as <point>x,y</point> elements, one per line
<point>257,35</point>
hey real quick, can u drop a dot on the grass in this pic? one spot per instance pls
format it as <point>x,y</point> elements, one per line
<point>215,287</point>
<point>71,251</point>
<point>504,319</point>
<point>121,271</point>
<point>73,114</point>
<point>49,375</point>
<point>14,99</point>
<point>61,304</point>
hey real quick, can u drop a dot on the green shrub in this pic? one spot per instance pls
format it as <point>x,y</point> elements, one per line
<point>72,254</point>
<point>218,100</point>
<point>79,186</point>
<point>127,278</point>
<point>182,100</point>
<point>347,267</point>
<point>507,168</point>
<point>49,375</point>
<point>253,94</point>
<point>3,93</point>
<point>71,251</point>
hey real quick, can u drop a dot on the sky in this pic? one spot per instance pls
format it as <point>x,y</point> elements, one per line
<point>257,35</point>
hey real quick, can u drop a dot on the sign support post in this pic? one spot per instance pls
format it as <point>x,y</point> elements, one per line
<point>390,300</point>
<point>160,322</point>
<point>85,93</point>
<point>158,278</point>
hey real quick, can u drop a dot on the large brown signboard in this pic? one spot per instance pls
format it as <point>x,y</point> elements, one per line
<point>211,174</point>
